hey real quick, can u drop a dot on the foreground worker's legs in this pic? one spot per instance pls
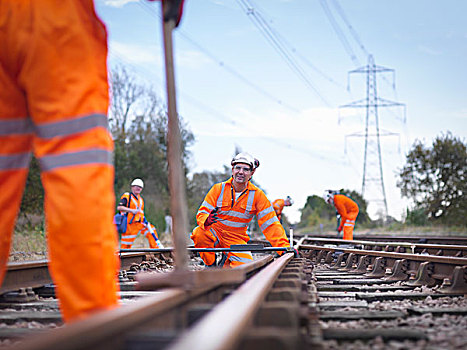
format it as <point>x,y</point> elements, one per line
<point>60,61</point>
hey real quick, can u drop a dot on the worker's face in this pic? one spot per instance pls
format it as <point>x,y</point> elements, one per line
<point>241,173</point>
<point>136,189</point>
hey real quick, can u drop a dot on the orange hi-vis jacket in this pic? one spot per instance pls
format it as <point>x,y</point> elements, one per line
<point>234,217</point>
<point>53,103</point>
<point>278,205</point>
<point>136,224</point>
<point>348,211</point>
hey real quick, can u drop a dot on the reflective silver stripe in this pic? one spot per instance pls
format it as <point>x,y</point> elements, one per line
<point>241,259</point>
<point>71,126</point>
<point>203,211</point>
<point>219,199</point>
<point>216,243</point>
<point>268,223</point>
<point>251,198</point>
<point>76,158</point>
<point>234,223</point>
<point>17,126</point>
<point>206,204</point>
<point>138,204</point>
<point>15,161</point>
<point>236,214</point>
<point>129,236</point>
<point>346,224</point>
<point>350,221</point>
<point>264,212</point>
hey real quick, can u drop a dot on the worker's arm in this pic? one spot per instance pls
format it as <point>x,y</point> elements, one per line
<point>269,223</point>
<point>208,205</point>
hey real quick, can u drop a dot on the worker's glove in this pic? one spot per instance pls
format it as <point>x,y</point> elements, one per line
<point>294,251</point>
<point>212,218</point>
<point>339,230</point>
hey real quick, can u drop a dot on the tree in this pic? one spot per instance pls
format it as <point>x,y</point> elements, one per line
<point>434,178</point>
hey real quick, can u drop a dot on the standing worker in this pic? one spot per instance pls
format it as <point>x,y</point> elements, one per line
<point>53,103</point>
<point>347,209</point>
<point>279,205</point>
<point>228,208</point>
<point>133,204</point>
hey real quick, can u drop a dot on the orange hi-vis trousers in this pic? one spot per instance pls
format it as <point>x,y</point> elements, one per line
<point>211,239</point>
<point>53,102</point>
<point>135,228</point>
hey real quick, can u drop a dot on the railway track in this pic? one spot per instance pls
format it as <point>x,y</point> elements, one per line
<point>335,296</point>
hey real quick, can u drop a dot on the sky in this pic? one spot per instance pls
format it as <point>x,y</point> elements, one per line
<point>272,78</point>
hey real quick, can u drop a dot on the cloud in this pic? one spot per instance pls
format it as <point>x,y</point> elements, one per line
<point>192,59</point>
<point>429,50</point>
<point>136,54</point>
<point>118,3</point>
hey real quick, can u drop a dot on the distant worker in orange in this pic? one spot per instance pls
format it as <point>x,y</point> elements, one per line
<point>228,208</point>
<point>279,205</point>
<point>133,204</point>
<point>53,103</point>
<point>347,209</point>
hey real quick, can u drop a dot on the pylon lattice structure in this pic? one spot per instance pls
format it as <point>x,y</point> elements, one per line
<point>373,189</point>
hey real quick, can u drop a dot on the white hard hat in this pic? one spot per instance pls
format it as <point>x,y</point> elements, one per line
<point>138,182</point>
<point>290,200</point>
<point>245,158</point>
<point>329,196</point>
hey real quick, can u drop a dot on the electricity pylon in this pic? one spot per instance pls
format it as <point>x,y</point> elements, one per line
<point>373,180</point>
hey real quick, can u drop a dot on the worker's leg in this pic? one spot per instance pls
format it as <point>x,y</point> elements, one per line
<point>349,225</point>
<point>65,79</point>
<point>205,239</point>
<point>238,258</point>
<point>151,235</point>
<point>15,138</point>
<point>132,230</point>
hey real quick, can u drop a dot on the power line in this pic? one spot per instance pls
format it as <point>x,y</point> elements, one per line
<point>270,34</point>
<point>222,64</point>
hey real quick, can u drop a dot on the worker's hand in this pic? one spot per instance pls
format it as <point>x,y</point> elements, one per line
<point>212,218</point>
<point>339,230</point>
<point>294,251</point>
<point>134,211</point>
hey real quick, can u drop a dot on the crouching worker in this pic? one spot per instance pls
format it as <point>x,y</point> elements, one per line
<point>133,204</point>
<point>227,210</point>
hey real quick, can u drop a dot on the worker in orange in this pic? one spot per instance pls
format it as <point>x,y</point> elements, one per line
<point>53,103</point>
<point>279,205</point>
<point>133,204</point>
<point>347,209</point>
<point>226,211</point>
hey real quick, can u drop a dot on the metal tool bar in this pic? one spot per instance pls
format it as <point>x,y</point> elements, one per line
<point>207,250</point>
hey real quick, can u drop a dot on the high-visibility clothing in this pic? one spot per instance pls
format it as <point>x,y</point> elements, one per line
<point>234,216</point>
<point>278,206</point>
<point>136,223</point>
<point>53,102</point>
<point>348,211</point>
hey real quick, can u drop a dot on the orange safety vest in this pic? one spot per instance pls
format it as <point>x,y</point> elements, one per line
<point>235,215</point>
<point>136,202</point>
<point>346,207</point>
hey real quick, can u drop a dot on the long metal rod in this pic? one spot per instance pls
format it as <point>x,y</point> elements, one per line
<point>205,250</point>
<point>174,153</point>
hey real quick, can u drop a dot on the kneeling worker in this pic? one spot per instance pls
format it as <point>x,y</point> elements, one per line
<point>227,210</point>
<point>133,204</point>
<point>347,209</point>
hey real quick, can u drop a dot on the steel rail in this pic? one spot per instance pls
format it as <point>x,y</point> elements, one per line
<point>36,273</point>
<point>416,257</point>
<point>98,331</point>
<point>237,310</point>
<point>412,246</point>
